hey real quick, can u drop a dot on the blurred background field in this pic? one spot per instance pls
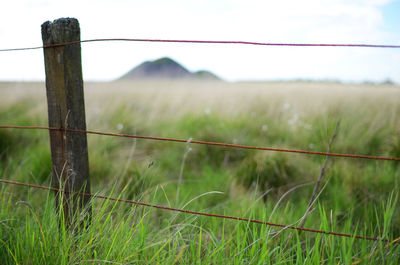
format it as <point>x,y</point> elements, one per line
<point>357,195</point>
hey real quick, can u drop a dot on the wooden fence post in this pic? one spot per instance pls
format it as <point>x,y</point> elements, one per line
<point>66,110</point>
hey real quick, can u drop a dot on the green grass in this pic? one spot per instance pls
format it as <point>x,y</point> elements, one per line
<point>359,197</point>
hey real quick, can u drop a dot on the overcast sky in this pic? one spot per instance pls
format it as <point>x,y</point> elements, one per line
<point>292,21</point>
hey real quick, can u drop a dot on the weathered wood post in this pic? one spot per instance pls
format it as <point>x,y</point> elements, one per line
<point>66,110</point>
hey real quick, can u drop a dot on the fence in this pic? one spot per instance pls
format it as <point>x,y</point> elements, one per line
<point>67,126</point>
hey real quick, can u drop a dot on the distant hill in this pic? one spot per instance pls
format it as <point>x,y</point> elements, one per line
<point>166,68</point>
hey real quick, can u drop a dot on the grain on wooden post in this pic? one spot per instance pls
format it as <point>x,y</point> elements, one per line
<point>66,109</point>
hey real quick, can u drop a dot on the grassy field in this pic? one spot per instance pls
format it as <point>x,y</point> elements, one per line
<point>356,196</point>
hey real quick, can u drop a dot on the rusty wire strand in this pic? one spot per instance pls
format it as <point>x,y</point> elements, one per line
<point>205,143</point>
<point>205,42</point>
<point>199,213</point>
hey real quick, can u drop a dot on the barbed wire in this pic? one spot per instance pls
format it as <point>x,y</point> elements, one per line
<point>206,42</point>
<point>203,143</point>
<point>199,213</point>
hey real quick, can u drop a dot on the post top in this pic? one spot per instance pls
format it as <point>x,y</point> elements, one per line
<point>60,30</point>
<point>63,20</point>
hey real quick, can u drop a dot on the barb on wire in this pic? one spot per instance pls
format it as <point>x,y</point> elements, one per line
<point>208,42</point>
<point>199,213</point>
<point>206,143</point>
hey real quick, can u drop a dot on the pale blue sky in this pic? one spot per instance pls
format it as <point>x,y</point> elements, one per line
<point>293,21</point>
